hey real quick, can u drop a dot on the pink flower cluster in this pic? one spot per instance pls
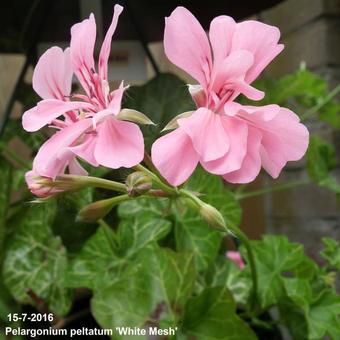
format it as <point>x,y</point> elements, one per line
<point>226,138</point>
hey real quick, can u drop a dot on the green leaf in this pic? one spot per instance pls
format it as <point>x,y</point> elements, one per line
<point>331,252</point>
<point>73,233</point>
<point>161,99</point>
<point>5,185</point>
<point>224,273</point>
<point>105,254</point>
<point>323,316</point>
<point>155,287</point>
<point>320,310</point>
<point>212,315</point>
<point>192,234</point>
<point>321,160</point>
<point>36,260</point>
<point>274,255</point>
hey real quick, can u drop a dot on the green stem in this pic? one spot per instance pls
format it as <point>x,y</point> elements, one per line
<point>285,186</point>
<point>165,187</point>
<point>317,107</point>
<point>251,259</point>
<point>95,182</point>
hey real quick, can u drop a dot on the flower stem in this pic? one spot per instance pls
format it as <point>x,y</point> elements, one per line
<point>251,259</point>
<point>284,186</point>
<point>165,187</point>
<point>90,181</point>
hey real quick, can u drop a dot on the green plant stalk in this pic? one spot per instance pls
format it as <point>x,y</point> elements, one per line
<point>317,107</point>
<point>165,187</point>
<point>196,202</point>
<point>285,186</point>
<point>251,258</point>
<point>93,182</point>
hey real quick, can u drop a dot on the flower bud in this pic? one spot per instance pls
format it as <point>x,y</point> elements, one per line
<point>99,209</point>
<point>236,257</point>
<point>39,185</point>
<point>138,183</point>
<point>212,216</point>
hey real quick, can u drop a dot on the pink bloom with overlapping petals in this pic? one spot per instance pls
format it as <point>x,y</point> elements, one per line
<point>226,138</point>
<point>88,123</point>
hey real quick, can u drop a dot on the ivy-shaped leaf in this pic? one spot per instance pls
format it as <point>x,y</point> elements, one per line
<point>274,255</point>
<point>224,273</point>
<point>319,312</point>
<point>36,260</point>
<point>331,252</point>
<point>212,316</point>
<point>106,253</point>
<point>321,160</point>
<point>155,288</point>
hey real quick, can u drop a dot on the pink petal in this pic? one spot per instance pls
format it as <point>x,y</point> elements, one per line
<point>237,132</point>
<point>187,46</point>
<point>117,96</point>
<point>287,140</point>
<point>106,46</point>
<point>259,39</point>
<point>75,168</point>
<point>52,77</point>
<point>236,257</point>
<point>119,144</point>
<point>51,159</point>
<point>284,138</point>
<point>220,33</point>
<point>174,156</point>
<point>46,111</point>
<point>86,149</point>
<point>208,136</point>
<point>251,164</point>
<point>83,38</point>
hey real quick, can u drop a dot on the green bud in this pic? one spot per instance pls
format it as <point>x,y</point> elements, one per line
<point>99,209</point>
<point>212,216</point>
<point>138,183</point>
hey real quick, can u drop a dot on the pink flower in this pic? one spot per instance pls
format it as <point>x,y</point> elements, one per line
<point>90,127</point>
<point>226,138</point>
<point>236,257</point>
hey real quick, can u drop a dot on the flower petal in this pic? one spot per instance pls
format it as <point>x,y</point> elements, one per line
<point>86,149</point>
<point>174,156</point>
<point>251,164</point>
<point>46,111</point>
<point>237,132</point>
<point>106,46</point>
<point>284,138</point>
<point>186,45</point>
<point>208,136</point>
<point>50,160</point>
<point>119,144</point>
<point>52,77</point>
<point>83,38</point>
<point>221,33</point>
<point>259,39</point>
